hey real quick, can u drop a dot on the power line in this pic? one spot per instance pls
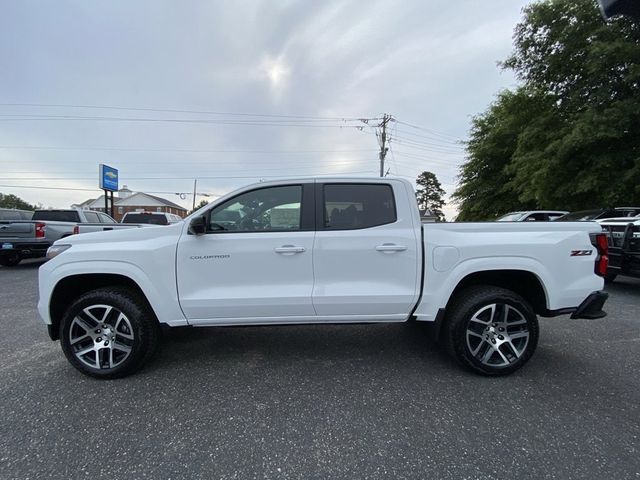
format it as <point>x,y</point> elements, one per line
<point>190,177</point>
<point>259,123</point>
<point>177,150</point>
<point>171,110</point>
<point>435,132</point>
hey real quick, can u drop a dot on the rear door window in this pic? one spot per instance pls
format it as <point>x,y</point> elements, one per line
<point>349,206</point>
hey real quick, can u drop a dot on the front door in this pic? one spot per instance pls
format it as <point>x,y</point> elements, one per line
<point>254,261</point>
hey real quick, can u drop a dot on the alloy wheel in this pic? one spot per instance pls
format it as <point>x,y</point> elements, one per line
<point>497,335</point>
<point>101,336</point>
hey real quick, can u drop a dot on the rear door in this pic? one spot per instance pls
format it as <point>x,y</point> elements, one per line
<point>365,256</point>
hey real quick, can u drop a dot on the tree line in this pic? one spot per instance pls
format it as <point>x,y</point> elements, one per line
<point>568,137</point>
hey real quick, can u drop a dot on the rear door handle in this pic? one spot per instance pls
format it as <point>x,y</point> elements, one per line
<point>289,249</point>
<point>391,247</point>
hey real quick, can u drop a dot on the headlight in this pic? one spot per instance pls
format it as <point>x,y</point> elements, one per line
<point>56,250</point>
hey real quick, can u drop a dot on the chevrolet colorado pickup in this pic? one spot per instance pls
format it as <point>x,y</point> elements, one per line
<point>338,250</point>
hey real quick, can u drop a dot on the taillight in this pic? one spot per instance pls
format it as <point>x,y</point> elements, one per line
<point>40,230</point>
<point>76,230</point>
<point>602,260</point>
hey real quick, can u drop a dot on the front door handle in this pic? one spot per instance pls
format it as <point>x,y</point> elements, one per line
<point>391,247</point>
<point>289,249</point>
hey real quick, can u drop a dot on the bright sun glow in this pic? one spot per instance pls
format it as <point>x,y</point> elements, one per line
<point>276,71</point>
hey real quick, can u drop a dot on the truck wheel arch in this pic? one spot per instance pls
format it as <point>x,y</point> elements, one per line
<point>522,282</point>
<point>73,286</point>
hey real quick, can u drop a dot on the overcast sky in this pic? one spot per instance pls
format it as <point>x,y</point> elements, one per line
<point>303,71</point>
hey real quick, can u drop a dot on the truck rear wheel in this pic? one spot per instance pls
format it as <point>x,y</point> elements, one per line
<point>490,330</point>
<point>109,333</point>
<point>10,260</point>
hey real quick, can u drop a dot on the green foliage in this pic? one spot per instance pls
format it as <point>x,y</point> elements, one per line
<point>199,206</point>
<point>13,201</point>
<point>569,136</point>
<point>429,194</point>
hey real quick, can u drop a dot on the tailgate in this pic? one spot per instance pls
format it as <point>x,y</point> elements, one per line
<point>24,229</point>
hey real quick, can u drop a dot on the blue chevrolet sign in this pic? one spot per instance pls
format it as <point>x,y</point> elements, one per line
<point>108,178</point>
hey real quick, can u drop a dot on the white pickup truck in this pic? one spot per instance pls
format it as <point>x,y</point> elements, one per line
<point>338,250</point>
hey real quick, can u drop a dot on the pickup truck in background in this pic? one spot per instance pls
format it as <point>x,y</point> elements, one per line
<point>624,246</point>
<point>151,218</point>
<point>20,239</point>
<point>338,250</point>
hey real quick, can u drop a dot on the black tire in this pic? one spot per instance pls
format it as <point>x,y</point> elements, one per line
<point>468,339</point>
<point>109,362</point>
<point>10,260</point>
<point>610,277</point>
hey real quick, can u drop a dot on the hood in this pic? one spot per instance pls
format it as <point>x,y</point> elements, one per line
<point>123,235</point>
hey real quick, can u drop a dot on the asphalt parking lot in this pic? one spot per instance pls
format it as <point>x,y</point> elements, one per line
<point>366,401</point>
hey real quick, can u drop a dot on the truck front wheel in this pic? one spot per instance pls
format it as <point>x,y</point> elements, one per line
<point>109,333</point>
<point>490,330</point>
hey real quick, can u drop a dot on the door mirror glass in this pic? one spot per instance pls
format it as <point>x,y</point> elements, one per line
<point>198,225</point>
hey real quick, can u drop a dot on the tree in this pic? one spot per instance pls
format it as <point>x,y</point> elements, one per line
<point>429,194</point>
<point>13,201</point>
<point>199,206</point>
<point>569,135</point>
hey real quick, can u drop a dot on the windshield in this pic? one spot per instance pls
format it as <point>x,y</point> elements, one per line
<point>511,217</point>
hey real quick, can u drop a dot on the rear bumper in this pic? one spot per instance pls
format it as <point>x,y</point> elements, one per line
<point>24,249</point>
<point>591,308</point>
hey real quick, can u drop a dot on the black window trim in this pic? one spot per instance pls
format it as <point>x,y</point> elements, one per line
<point>307,213</point>
<point>321,210</point>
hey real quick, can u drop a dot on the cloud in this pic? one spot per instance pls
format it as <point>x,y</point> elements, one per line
<point>428,63</point>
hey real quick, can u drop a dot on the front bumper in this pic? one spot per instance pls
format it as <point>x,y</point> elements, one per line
<point>591,307</point>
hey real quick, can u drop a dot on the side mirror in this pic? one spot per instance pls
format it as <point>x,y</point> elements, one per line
<point>198,225</point>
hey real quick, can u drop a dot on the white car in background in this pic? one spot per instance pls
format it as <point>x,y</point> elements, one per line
<point>532,216</point>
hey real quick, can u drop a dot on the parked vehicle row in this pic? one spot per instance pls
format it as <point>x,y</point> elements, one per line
<point>562,216</point>
<point>30,238</point>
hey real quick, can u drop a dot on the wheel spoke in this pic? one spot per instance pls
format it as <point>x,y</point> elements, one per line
<point>84,351</point>
<point>87,312</point>
<point>121,347</point>
<point>82,323</point>
<point>505,360</point>
<point>522,321</point>
<point>487,354</point>
<point>513,348</point>
<point>106,313</point>
<point>79,339</point>
<point>520,334</point>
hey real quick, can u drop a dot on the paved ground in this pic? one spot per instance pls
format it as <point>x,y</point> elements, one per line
<point>321,402</point>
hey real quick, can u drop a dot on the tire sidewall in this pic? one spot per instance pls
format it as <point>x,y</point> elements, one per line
<point>138,318</point>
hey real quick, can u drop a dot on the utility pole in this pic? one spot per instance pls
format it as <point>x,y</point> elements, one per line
<point>195,184</point>
<point>383,141</point>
